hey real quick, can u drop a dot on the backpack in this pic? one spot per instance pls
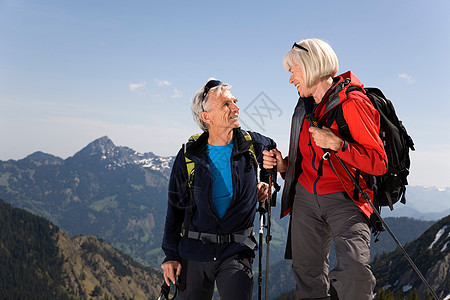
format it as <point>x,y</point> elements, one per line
<point>390,187</point>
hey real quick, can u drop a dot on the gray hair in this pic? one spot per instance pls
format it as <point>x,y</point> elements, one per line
<point>319,61</point>
<point>200,104</point>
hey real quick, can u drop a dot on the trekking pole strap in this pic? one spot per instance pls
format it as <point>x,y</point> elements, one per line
<point>243,237</point>
<point>165,291</point>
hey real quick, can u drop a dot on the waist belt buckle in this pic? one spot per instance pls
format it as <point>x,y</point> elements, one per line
<point>224,238</point>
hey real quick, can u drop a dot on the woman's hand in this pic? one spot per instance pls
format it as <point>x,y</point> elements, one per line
<point>325,138</point>
<point>272,158</point>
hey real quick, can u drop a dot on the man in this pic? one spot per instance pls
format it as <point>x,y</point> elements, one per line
<point>214,207</point>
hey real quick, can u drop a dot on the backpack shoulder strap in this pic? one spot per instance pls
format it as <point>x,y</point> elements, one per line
<point>248,138</point>
<point>190,168</point>
<point>190,165</point>
<point>338,115</point>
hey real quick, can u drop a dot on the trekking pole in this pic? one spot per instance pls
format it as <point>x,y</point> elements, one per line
<point>271,201</point>
<point>262,211</point>
<point>166,290</point>
<point>367,198</point>
<point>268,235</point>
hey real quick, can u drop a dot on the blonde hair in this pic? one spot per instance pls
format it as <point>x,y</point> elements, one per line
<point>319,61</point>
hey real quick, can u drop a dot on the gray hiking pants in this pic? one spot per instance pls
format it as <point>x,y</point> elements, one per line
<point>316,219</point>
<point>233,276</point>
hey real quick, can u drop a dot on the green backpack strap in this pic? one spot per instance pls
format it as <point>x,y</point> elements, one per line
<point>248,137</point>
<point>190,165</point>
<point>190,168</point>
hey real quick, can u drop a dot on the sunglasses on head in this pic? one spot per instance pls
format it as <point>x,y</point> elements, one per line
<point>299,47</point>
<point>211,84</point>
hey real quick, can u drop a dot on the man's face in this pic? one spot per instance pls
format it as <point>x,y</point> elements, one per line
<point>222,111</point>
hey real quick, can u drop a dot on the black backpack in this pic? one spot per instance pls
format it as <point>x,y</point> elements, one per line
<point>390,187</point>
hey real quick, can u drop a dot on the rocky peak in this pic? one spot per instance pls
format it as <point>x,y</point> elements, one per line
<point>41,158</point>
<point>100,147</point>
<point>104,150</point>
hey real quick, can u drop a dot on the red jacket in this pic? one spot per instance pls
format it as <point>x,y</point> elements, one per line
<point>366,154</point>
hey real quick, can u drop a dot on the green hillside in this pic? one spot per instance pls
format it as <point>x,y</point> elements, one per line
<point>38,261</point>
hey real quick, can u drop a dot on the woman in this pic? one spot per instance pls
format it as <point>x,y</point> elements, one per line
<point>321,206</point>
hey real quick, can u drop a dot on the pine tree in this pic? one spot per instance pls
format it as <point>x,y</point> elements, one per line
<point>400,295</point>
<point>385,295</point>
<point>412,295</point>
<point>428,296</point>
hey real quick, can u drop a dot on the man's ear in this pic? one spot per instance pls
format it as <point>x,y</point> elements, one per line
<point>205,117</point>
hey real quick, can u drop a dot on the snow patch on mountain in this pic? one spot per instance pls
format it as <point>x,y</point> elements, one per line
<point>157,163</point>
<point>438,236</point>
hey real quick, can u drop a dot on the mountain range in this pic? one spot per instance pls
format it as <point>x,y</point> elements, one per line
<point>110,192</point>
<point>422,203</point>
<point>114,193</point>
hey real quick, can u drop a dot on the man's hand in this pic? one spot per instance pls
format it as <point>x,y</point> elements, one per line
<point>325,138</point>
<point>269,161</point>
<point>263,191</point>
<point>169,267</point>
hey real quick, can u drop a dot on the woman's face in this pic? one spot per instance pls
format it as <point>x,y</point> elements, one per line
<point>298,80</point>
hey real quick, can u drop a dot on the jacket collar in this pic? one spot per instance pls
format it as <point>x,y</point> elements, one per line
<point>333,93</point>
<point>338,92</point>
<point>198,147</point>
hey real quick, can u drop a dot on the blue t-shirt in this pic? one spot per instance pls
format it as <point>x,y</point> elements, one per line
<point>220,162</point>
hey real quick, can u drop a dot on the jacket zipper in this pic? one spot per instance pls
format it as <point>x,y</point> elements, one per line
<point>314,154</point>
<point>212,209</point>
<point>232,200</point>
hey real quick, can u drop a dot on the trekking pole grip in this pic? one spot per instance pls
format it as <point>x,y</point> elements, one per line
<point>274,169</point>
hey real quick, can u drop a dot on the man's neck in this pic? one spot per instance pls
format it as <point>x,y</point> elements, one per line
<point>220,137</point>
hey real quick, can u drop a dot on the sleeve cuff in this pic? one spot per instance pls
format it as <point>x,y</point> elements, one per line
<point>344,146</point>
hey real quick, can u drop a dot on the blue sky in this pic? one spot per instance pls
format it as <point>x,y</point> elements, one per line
<point>73,71</point>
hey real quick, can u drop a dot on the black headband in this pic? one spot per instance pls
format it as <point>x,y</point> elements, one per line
<point>210,85</point>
